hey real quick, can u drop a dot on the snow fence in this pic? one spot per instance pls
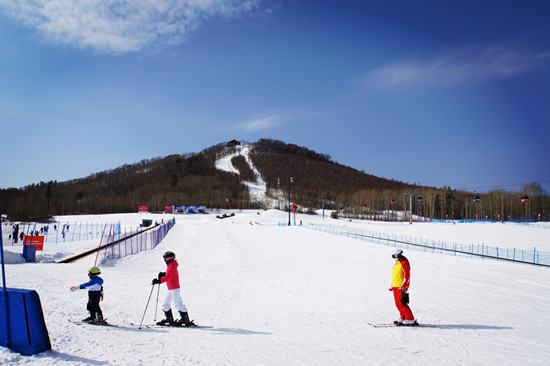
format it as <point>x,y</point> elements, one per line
<point>57,232</point>
<point>128,243</point>
<point>534,256</point>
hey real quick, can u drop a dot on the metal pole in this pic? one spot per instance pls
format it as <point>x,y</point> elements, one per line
<point>411,194</point>
<point>289,208</point>
<point>411,209</point>
<point>156,306</point>
<point>146,306</point>
<point>8,335</point>
<point>2,257</point>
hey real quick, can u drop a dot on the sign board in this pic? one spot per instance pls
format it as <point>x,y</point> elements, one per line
<point>180,209</point>
<point>36,241</point>
<point>143,208</point>
<point>168,209</point>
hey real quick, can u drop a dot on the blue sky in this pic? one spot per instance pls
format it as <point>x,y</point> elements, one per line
<point>428,92</point>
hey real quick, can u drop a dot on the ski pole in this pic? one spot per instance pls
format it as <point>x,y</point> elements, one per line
<point>156,306</point>
<point>146,306</point>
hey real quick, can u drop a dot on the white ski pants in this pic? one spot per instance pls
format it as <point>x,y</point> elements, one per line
<point>176,297</point>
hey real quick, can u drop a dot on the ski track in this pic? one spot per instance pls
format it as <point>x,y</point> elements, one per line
<point>291,296</point>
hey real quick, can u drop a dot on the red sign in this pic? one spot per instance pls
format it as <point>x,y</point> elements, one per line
<point>168,209</point>
<point>525,198</point>
<point>36,241</point>
<point>143,208</point>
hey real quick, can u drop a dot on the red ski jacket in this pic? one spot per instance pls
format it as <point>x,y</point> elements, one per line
<point>172,277</point>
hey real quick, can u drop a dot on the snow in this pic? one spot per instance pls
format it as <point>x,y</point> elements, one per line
<point>257,190</point>
<point>279,295</point>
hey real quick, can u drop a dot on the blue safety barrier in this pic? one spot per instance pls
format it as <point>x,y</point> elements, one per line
<point>22,326</point>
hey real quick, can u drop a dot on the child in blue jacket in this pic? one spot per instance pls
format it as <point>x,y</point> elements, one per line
<point>95,294</point>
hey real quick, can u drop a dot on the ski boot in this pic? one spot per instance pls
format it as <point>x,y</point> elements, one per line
<point>410,322</point>
<point>90,318</point>
<point>99,319</point>
<point>184,321</point>
<point>168,320</point>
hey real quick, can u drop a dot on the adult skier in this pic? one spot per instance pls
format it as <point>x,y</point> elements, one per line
<point>95,295</point>
<point>171,278</point>
<point>401,278</point>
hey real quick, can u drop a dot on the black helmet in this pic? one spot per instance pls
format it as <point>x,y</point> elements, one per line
<point>169,257</point>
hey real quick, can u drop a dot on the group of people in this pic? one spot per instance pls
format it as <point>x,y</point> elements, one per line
<point>170,277</point>
<point>401,278</point>
<point>16,235</point>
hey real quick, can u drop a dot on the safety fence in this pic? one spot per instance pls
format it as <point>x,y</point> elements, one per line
<point>57,232</point>
<point>533,256</point>
<point>130,242</point>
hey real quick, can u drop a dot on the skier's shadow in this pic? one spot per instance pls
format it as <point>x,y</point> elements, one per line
<point>472,326</point>
<point>237,331</point>
<point>70,358</point>
<point>213,329</point>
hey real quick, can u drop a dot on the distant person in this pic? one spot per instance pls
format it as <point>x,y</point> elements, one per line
<point>171,278</point>
<point>16,233</point>
<point>95,295</point>
<point>401,278</point>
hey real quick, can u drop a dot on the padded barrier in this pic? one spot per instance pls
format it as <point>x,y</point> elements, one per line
<point>25,331</point>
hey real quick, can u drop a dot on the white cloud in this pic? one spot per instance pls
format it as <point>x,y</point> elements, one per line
<point>476,65</point>
<point>261,123</point>
<point>277,118</point>
<point>117,26</point>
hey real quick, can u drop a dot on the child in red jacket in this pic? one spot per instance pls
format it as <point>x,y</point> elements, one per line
<point>172,280</point>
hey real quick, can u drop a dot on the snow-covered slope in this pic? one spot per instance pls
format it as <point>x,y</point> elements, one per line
<point>279,295</point>
<point>257,190</point>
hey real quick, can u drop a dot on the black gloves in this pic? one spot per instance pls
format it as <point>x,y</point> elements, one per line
<point>156,281</point>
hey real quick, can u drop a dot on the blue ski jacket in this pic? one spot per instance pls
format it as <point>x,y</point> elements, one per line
<point>93,285</point>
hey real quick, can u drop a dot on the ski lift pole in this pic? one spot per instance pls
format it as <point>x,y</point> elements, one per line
<point>411,194</point>
<point>8,340</point>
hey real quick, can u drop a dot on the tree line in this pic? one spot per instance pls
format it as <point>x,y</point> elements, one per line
<point>446,203</point>
<point>193,179</point>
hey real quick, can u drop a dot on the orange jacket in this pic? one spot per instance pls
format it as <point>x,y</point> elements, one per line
<point>401,276</point>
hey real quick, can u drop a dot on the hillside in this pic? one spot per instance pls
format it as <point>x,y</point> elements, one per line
<point>189,179</point>
<point>195,179</point>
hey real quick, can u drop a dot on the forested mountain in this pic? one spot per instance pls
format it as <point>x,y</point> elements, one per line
<point>193,179</point>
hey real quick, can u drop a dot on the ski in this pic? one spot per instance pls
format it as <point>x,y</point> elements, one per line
<point>391,325</point>
<point>173,326</point>
<point>79,322</point>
